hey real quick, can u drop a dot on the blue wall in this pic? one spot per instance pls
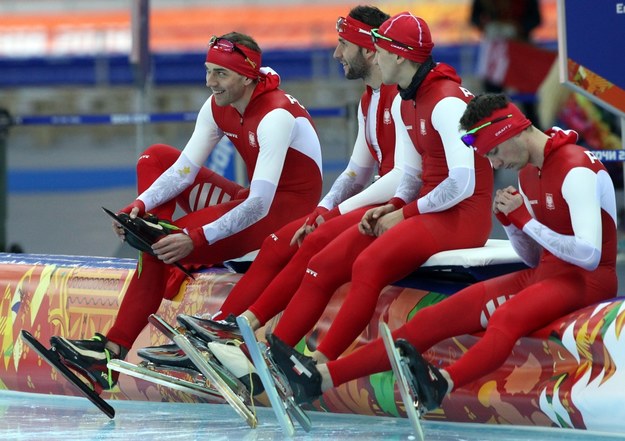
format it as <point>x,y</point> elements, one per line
<point>176,69</point>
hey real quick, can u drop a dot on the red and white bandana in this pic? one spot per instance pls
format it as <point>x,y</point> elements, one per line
<point>355,32</point>
<point>249,67</point>
<point>492,135</point>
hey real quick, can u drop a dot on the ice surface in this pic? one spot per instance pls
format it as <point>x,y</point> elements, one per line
<point>36,417</point>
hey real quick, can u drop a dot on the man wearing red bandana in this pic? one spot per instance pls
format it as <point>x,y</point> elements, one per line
<point>275,136</point>
<point>453,187</point>
<point>561,221</point>
<point>274,276</point>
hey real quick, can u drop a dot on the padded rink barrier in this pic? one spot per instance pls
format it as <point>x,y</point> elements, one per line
<point>569,374</point>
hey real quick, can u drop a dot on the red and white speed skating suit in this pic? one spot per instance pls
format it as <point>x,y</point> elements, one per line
<point>277,271</point>
<point>566,231</point>
<point>280,148</point>
<point>456,189</point>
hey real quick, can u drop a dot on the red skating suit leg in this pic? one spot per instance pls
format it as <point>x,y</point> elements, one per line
<point>282,288</point>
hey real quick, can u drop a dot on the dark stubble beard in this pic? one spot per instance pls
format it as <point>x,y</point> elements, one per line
<point>357,68</point>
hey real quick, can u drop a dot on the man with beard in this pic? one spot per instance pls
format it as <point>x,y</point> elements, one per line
<point>274,276</point>
<point>451,210</point>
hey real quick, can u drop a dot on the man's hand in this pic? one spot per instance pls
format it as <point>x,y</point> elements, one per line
<point>371,217</point>
<point>173,247</point>
<point>507,200</point>
<point>301,234</point>
<point>133,211</point>
<point>118,230</point>
<point>310,224</point>
<point>387,222</point>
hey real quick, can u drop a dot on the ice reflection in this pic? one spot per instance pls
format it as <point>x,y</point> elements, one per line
<point>35,417</point>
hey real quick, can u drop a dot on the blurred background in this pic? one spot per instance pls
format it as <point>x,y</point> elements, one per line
<point>86,86</point>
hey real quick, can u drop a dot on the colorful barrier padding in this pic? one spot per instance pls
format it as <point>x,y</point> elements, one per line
<point>570,374</point>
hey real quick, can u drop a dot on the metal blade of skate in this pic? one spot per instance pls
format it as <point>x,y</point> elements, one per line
<point>279,407</point>
<point>154,376</point>
<point>54,360</point>
<point>168,330</point>
<point>410,402</point>
<point>207,370</point>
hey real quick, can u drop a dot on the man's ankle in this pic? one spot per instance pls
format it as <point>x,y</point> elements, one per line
<point>319,357</point>
<point>251,318</point>
<point>118,351</point>
<point>326,378</point>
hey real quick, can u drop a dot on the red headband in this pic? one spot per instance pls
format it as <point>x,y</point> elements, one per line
<point>355,32</point>
<point>491,136</point>
<point>248,65</point>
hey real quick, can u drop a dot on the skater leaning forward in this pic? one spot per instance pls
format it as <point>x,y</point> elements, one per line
<point>561,220</point>
<point>275,136</point>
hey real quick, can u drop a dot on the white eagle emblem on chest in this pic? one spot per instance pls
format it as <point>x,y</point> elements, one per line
<point>387,116</point>
<point>549,201</point>
<point>252,139</point>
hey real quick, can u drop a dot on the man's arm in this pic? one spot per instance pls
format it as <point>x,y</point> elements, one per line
<point>527,248</point>
<point>581,190</point>
<point>357,174</point>
<point>183,172</point>
<point>274,134</point>
<point>460,182</point>
<point>386,187</point>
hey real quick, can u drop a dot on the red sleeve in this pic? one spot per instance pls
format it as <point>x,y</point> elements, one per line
<point>411,210</point>
<point>503,219</point>
<point>520,217</point>
<point>197,236</point>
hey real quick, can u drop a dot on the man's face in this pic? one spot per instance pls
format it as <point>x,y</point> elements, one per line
<point>227,86</point>
<point>387,62</point>
<point>350,56</point>
<point>509,154</point>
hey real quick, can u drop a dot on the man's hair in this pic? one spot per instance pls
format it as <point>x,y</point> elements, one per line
<point>369,15</point>
<point>480,107</point>
<point>242,40</point>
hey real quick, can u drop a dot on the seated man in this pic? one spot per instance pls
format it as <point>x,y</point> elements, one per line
<point>275,136</point>
<point>455,187</point>
<point>276,273</point>
<point>562,222</point>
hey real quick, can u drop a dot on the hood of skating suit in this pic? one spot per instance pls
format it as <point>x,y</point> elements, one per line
<point>268,80</point>
<point>442,71</point>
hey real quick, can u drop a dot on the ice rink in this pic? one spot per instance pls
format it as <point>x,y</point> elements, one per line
<point>36,417</point>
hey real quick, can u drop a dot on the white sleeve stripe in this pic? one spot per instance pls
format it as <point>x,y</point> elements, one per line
<point>215,197</point>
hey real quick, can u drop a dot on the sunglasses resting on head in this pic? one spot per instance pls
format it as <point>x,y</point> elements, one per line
<point>375,36</point>
<point>221,44</point>
<point>469,138</point>
<point>342,25</point>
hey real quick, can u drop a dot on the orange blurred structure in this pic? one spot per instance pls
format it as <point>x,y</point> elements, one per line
<point>189,28</point>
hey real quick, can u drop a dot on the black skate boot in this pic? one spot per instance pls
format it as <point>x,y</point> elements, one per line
<point>90,358</point>
<point>166,355</point>
<point>430,385</point>
<point>235,360</point>
<point>300,370</point>
<point>171,355</point>
<point>142,233</point>
<point>211,330</point>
